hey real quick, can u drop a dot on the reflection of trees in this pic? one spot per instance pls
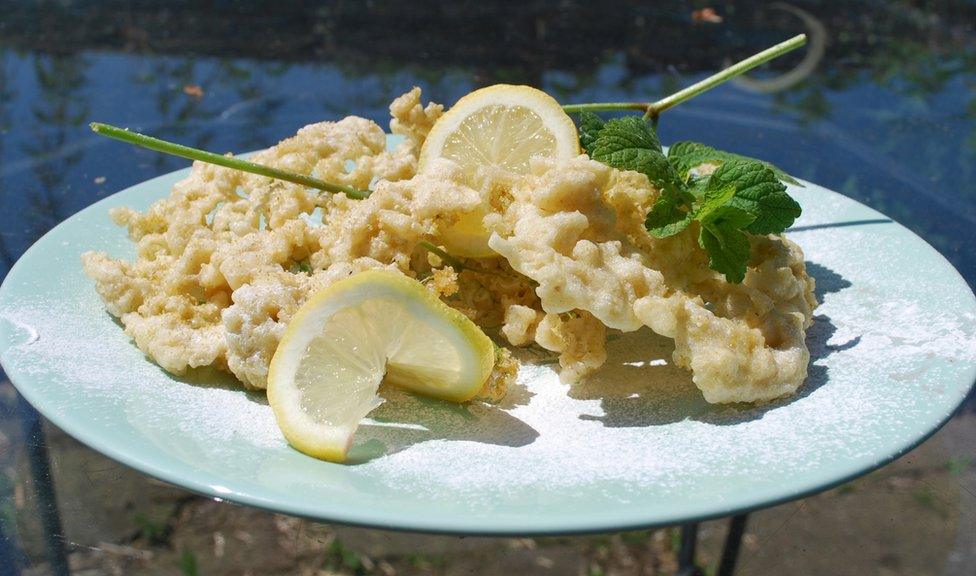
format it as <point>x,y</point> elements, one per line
<point>910,52</point>
<point>258,108</point>
<point>177,114</point>
<point>920,48</point>
<point>574,48</point>
<point>180,117</point>
<point>7,95</point>
<point>60,111</point>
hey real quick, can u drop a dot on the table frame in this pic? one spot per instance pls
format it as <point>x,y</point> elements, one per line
<point>56,550</point>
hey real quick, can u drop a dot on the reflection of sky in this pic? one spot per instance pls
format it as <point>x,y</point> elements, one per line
<point>911,157</point>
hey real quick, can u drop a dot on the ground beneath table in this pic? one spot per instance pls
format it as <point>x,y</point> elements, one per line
<point>916,516</point>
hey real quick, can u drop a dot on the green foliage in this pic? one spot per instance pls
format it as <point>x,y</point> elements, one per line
<point>757,191</point>
<point>667,217</point>
<point>188,564</point>
<point>957,466</point>
<point>727,245</point>
<point>686,156</point>
<point>630,143</point>
<point>150,529</point>
<point>742,196</point>
<point>341,557</point>
<point>589,126</point>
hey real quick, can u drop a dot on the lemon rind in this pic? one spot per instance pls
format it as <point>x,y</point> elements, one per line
<point>332,442</point>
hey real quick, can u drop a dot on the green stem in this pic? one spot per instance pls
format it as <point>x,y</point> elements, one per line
<point>226,161</point>
<point>652,109</point>
<point>604,106</point>
<point>447,258</point>
<point>452,261</point>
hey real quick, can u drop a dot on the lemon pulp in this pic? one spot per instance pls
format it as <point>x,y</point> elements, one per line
<point>504,126</point>
<point>377,326</point>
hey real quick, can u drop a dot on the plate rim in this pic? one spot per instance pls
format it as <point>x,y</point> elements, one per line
<point>635,518</point>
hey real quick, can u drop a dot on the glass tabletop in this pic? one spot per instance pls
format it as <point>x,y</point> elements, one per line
<point>880,106</point>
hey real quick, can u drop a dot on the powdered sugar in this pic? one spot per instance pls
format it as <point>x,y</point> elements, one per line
<point>890,358</point>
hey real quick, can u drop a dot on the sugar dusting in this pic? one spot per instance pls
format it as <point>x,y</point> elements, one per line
<point>79,344</point>
<point>879,352</point>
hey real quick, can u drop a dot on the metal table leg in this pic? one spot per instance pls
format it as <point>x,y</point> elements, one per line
<point>47,504</point>
<point>686,555</point>
<point>733,540</point>
<point>730,550</point>
<point>9,559</point>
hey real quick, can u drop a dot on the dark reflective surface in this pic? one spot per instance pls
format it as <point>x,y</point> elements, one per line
<point>882,109</point>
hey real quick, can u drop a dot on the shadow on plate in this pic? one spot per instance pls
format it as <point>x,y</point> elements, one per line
<point>208,377</point>
<point>840,225</point>
<point>406,419</point>
<point>640,385</point>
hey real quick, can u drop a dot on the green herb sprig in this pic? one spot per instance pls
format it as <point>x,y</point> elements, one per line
<point>653,109</point>
<point>742,196</point>
<point>182,151</point>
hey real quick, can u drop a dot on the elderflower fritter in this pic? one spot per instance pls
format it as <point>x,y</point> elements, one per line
<point>227,259</point>
<point>219,273</point>
<point>569,228</point>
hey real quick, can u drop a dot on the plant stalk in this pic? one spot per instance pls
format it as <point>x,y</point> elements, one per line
<point>653,109</point>
<point>447,258</point>
<point>226,161</point>
<point>605,106</point>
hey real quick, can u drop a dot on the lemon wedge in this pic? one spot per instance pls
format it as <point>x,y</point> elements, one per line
<point>501,125</point>
<point>376,326</point>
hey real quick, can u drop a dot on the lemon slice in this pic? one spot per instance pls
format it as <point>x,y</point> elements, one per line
<point>501,125</point>
<point>373,327</point>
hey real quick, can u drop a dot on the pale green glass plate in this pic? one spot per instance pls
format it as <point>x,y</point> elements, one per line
<point>894,354</point>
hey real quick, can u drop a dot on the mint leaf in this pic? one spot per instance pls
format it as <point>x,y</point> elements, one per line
<point>630,132</point>
<point>686,156</point>
<point>590,126</point>
<point>742,196</point>
<point>728,251</point>
<point>666,218</point>
<point>629,143</point>
<point>752,187</point>
<point>727,245</point>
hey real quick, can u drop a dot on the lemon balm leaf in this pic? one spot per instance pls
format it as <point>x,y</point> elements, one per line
<point>590,126</point>
<point>727,245</point>
<point>627,133</point>
<point>742,196</point>
<point>666,219</point>
<point>686,156</point>
<point>630,143</point>
<point>754,188</point>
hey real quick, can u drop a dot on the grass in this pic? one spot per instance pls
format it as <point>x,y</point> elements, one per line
<point>150,529</point>
<point>675,539</point>
<point>637,538</point>
<point>188,564</point>
<point>339,556</point>
<point>957,466</point>
<point>927,498</point>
